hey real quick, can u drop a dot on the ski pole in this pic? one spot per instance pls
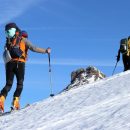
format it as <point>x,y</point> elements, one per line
<point>114,68</point>
<point>51,93</point>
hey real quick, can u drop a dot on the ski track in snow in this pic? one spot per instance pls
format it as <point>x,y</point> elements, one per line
<point>103,105</point>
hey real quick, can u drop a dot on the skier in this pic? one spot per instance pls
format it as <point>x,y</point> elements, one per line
<point>125,50</point>
<point>18,45</point>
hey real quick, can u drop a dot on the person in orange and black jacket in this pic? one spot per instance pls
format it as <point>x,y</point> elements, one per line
<point>18,44</point>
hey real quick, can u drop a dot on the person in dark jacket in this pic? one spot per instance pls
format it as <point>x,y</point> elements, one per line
<point>125,55</point>
<point>17,44</point>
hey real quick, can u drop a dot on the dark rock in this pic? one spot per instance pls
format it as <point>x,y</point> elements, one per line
<point>84,76</point>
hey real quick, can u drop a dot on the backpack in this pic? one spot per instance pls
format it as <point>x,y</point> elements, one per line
<point>124,46</point>
<point>24,34</point>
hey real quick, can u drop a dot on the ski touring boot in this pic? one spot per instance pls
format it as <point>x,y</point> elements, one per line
<point>2,99</point>
<point>15,104</point>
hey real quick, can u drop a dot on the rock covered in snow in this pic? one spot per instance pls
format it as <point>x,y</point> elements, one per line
<point>84,76</point>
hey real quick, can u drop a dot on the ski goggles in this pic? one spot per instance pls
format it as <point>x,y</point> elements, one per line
<point>10,33</point>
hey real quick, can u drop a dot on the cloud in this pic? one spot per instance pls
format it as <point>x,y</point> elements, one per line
<point>74,62</point>
<point>71,62</point>
<point>10,9</point>
<point>83,62</point>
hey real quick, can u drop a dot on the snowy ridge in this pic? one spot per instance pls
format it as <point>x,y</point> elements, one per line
<point>103,105</point>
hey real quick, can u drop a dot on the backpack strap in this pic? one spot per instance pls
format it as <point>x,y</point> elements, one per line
<point>18,38</point>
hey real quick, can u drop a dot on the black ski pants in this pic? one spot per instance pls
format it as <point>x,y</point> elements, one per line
<point>14,68</point>
<point>126,62</point>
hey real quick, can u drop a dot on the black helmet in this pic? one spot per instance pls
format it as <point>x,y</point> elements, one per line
<point>11,25</point>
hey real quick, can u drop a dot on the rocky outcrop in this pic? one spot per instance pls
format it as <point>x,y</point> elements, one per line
<point>84,76</point>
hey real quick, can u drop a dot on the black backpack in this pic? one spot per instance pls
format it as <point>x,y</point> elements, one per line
<point>124,45</point>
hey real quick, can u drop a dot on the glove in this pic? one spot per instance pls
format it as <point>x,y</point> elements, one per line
<point>118,58</point>
<point>48,50</point>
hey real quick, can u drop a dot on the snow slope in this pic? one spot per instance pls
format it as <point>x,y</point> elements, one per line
<point>103,105</point>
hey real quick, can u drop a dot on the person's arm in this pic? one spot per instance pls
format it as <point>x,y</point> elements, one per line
<point>36,49</point>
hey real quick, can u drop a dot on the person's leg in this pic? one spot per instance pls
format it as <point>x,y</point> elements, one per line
<point>20,71</point>
<point>125,62</point>
<point>9,79</point>
<point>9,82</point>
<point>128,62</point>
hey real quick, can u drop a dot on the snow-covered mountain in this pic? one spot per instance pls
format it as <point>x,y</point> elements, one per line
<point>102,105</point>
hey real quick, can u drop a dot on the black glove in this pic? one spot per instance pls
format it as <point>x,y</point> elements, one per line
<point>48,50</point>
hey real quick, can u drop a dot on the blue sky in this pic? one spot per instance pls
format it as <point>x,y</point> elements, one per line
<point>80,33</point>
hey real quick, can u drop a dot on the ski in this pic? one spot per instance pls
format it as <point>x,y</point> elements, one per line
<point>5,113</point>
<point>12,110</point>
